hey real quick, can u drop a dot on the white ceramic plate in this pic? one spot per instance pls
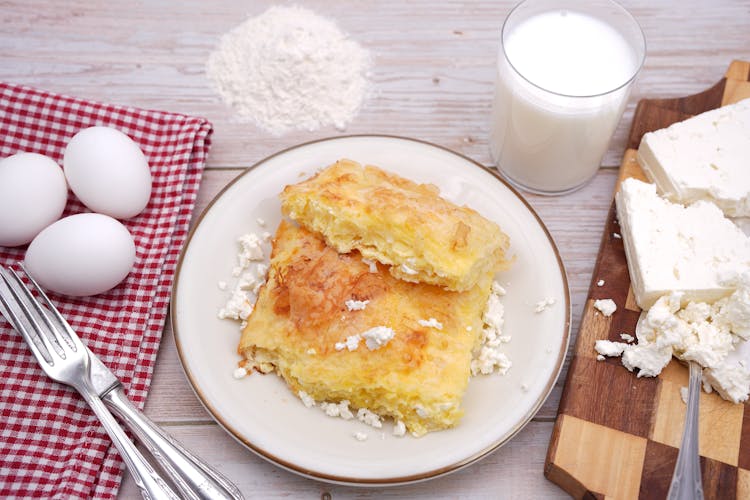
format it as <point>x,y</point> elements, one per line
<point>262,413</point>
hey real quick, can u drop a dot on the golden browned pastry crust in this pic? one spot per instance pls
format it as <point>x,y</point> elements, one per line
<point>397,222</point>
<point>418,377</point>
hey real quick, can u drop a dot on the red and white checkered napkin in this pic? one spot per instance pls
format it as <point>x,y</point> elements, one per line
<point>51,444</point>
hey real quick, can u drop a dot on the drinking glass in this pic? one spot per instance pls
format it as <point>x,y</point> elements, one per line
<point>564,74</point>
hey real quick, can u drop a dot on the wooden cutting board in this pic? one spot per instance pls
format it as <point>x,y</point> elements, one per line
<point>616,435</point>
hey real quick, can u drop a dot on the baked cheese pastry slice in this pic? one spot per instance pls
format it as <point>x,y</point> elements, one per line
<point>405,225</point>
<point>340,329</point>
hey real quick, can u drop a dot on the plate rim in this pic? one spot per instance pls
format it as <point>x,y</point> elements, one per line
<point>387,481</point>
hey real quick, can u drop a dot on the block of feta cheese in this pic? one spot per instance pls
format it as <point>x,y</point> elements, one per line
<point>706,157</point>
<point>694,250</point>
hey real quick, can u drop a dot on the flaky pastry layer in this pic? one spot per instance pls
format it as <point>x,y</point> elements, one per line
<point>399,223</point>
<point>418,377</point>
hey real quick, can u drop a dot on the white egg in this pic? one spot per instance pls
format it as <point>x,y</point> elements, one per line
<point>83,254</point>
<point>33,194</point>
<point>108,172</point>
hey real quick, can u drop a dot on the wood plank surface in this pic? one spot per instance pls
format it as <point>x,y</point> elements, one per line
<point>433,77</point>
<point>604,407</point>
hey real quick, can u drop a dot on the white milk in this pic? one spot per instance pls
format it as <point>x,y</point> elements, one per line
<point>553,116</point>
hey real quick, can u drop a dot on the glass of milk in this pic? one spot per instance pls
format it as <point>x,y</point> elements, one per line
<point>565,71</point>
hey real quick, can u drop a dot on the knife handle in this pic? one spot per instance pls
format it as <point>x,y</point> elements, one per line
<point>194,478</point>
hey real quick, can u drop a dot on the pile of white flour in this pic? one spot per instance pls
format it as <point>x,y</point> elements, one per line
<point>289,68</point>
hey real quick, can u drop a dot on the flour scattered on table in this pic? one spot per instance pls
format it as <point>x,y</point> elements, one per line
<point>290,68</point>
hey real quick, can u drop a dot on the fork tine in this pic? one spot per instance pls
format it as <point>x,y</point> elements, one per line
<point>19,325</point>
<point>30,299</point>
<point>62,322</point>
<point>55,331</point>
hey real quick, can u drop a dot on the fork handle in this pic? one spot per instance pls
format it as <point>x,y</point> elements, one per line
<point>194,478</point>
<point>686,480</point>
<point>151,485</point>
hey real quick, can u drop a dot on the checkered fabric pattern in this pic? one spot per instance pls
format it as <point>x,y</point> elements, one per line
<point>51,444</point>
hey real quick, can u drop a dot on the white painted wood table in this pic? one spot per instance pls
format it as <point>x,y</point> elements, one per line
<point>433,73</point>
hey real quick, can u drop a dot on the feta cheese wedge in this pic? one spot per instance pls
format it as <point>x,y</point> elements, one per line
<point>703,158</point>
<point>692,249</point>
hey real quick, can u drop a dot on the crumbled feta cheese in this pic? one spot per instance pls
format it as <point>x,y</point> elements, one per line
<point>370,418</point>
<point>377,337</point>
<point>338,409</point>
<point>399,429</point>
<point>239,372</point>
<point>266,236</point>
<point>408,270</point>
<point>617,236</point>
<point>488,357</point>
<point>246,282</point>
<point>307,400</point>
<point>733,312</point>
<point>360,436</point>
<point>648,358</point>
<point>250,249</point>
<point>627,337</point>
<point>497,289</point>
<point>493,319</point>
<point>260,222</point>
<point>431,323</point>
<point>543,304</point>
<point>600,283</point>
<point>599,357</point>
<point>490,360</point>
<point>238,307</point>
<point>356,305</point>
<point>606,306</point>
<point>609,348</point>
<point>731,381</point>
<point>371,263</point>
<point>698,332</point>
<point>351,343</point>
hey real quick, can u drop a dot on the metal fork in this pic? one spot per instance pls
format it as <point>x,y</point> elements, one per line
<point>67,361</point>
